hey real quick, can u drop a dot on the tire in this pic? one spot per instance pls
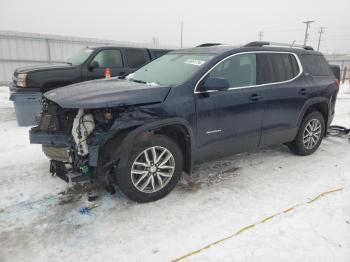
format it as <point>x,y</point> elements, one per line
<point>309,129</point>
<point>164,176</point>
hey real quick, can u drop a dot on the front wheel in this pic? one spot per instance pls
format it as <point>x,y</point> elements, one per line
<point>153,169</point>
<point>310,134</point>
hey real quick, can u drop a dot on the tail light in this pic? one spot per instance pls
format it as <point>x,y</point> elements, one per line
<point>337,83</point>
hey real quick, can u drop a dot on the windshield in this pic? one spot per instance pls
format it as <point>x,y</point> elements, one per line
<point>80,57</point>
<point>170,69</point>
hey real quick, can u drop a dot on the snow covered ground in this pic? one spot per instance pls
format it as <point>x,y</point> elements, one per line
<point>40,218</point>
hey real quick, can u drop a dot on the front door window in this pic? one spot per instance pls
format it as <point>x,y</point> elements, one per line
<point>111,58</point>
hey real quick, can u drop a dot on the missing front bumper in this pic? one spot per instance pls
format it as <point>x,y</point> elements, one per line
<point>56,153</point>
<point>60,170</point>
<point>45,138</point>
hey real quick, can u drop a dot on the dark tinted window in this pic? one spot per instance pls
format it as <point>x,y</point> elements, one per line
<point>158,53</point>
<point>336,71</point>
<point>136,58</point>
<point>239,70</point>
<point>109,58</point>
<point>276,67</point>
<point>316,65</point>
<point>295,65</point>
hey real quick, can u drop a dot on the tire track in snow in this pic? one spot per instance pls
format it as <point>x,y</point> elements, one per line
<point>241,230</point>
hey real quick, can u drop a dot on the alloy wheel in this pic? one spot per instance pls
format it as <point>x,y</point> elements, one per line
<point>312,133</point>
<point>152,169</point>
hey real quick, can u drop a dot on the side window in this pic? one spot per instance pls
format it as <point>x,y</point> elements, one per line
<point>325,67</point>
<point>136,58</point>
<point>295,66</point>
<point>316,65</point>
<point>239,70</point>
<point>109,58</point>
<point>276,67</point>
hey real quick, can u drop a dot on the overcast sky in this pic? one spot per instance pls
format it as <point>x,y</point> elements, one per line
<point>224,21</point>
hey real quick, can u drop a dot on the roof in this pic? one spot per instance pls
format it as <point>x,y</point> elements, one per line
<point>122,46</point>
<point>217,49</point>
<point>221,49</point>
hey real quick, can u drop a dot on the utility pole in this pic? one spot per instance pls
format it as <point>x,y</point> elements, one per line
<point>307,30</point>
<point>182,30</point>
<point>321,31</point>
<point>261,34</point>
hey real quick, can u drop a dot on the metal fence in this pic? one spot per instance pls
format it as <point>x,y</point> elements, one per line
<point>24,49</point>
<point>344,64</point>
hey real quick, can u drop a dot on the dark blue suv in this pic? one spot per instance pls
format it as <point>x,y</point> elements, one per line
<point>186,107</point>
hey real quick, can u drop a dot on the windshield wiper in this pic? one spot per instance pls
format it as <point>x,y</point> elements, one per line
<point>137,81</point>
<point>143,82</point>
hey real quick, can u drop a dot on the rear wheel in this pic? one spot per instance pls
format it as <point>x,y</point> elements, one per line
<point>153,169</point>
<point>310,134</point>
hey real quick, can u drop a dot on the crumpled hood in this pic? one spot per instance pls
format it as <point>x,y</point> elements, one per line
<point>104,93</point>
<point>29,69</point>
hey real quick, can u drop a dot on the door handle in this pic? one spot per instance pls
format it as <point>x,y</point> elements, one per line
<point>255,97</point>
<point>303,91</point>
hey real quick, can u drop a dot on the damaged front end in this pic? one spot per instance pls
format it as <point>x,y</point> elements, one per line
<point>63,134</point>
<point>75,140</point>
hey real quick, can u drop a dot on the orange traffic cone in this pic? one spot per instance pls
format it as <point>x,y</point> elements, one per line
<point>108,72</point>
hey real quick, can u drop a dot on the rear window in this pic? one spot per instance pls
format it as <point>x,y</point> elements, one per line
<point>316,65</point>
<point>276,67</point>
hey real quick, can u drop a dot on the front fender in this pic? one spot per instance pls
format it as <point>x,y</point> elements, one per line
<point>134,134</point>
<point>118,141</point>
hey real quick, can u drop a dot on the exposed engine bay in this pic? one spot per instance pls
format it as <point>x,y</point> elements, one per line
<point>68,134</point>
<point>83,125</point>
<point>75,140</point>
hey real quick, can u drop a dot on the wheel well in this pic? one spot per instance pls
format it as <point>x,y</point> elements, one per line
<point>181,136</point>
<point>320,107</point>
<point>111,149</point>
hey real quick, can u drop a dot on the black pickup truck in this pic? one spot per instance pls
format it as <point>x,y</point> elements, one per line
<point>90,63</point>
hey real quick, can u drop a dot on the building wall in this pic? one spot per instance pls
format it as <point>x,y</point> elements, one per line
<point>24,49</point>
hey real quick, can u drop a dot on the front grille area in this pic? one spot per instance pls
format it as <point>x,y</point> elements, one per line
<point>46,123</point>
<point>55,118</point>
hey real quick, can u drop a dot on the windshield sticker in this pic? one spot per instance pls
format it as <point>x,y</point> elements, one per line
<point>194,62</point>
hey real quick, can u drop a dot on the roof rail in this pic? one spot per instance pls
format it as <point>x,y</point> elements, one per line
<point>208,44</point>
<point>261,44</point>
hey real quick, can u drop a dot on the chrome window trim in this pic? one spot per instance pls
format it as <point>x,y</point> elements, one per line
<point>301,70</point>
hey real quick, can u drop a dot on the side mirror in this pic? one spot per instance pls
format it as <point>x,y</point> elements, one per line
<point>94,64</point>
<point>217,84</point>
